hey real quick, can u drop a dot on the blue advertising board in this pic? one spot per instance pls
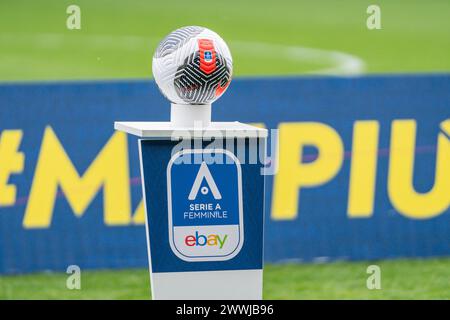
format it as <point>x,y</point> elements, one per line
<point>362,169</point>
<point>208,219</point>
<point>195,208</point>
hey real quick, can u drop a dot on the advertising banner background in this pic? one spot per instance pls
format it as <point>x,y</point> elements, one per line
<point>78,198</point>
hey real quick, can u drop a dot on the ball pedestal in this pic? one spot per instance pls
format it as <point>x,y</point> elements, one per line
<point>190,115</point>
<point>204,200</point>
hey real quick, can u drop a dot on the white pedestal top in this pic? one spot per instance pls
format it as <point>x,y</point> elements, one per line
<point>169,130</point>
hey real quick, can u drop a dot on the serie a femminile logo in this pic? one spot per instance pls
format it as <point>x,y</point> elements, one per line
<point>205,207</point>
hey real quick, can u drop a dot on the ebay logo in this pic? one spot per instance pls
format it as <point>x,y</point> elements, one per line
<point>200,240</point>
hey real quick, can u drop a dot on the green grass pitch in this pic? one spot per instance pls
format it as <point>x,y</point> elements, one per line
<point>400,279</point>
<point>266,37</point>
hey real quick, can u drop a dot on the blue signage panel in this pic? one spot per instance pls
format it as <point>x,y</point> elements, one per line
<point>205,205</point>
<point>204,208</point>
<point>363,172</point>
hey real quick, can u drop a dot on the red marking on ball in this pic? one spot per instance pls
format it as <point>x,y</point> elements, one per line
<point>207,55</point>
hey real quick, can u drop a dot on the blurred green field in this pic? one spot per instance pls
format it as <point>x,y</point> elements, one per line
<point>400,279</point>
<point>117,38</point>
<point>266,37</point>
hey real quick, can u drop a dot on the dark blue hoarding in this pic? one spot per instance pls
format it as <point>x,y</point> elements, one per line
<point>363,168</point>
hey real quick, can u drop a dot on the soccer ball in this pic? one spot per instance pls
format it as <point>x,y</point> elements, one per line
<point>192,65</point>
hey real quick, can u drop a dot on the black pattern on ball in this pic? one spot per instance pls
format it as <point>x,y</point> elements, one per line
<point>194,86</point>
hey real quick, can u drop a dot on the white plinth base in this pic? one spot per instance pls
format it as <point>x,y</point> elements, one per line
<point>208,285</point>
<point>190,115</point>
<point>168,130</point>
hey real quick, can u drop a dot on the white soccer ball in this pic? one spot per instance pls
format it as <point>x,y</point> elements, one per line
<point>192,65</point>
